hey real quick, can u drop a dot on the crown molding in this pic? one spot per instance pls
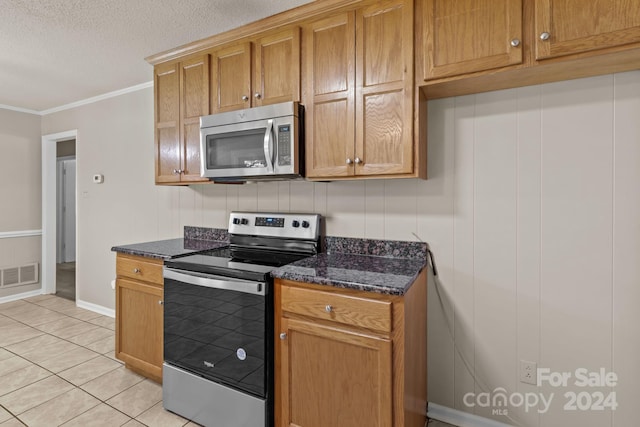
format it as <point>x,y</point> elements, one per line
<point>97,98</point>
<point>81,102</point>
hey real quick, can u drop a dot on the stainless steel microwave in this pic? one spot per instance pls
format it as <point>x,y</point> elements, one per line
<point>260,143</point>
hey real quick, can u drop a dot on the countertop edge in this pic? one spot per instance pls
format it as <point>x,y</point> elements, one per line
<point>180,248</point>
<point>281,273</point>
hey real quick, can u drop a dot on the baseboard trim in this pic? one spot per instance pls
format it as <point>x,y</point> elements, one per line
<point>459,418</point>
<point>96,308</point>
<point>22,295</point>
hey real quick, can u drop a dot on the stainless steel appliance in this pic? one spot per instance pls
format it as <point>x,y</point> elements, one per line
<point>263,143</point>
<point>218,320</point>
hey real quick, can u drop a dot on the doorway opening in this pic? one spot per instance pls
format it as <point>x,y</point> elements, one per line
<point>49,209</point>
<point>66,219</point>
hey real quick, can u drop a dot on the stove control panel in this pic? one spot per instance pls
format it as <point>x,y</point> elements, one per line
<point>286,225</point>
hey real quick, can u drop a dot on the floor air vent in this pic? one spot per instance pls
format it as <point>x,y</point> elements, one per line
<point>17,276</point>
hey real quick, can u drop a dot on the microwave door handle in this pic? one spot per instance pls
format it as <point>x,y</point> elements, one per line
<point>268,145</point>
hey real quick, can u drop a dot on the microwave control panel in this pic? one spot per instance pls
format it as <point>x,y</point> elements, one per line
<point>284,145</point>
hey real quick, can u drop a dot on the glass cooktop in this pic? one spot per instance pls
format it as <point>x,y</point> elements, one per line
<point>249,264</point>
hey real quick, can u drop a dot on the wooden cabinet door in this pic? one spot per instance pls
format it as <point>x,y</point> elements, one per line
<point>329,96</point>
<point>194,90</point>
<point>575,26</point>
<point>333,377</point>
<point>167,120</point>
<point>231,78</point>
<point>139,326</point>
<point>464,36</point>
<point>277,68</point>
<point>384,89</point>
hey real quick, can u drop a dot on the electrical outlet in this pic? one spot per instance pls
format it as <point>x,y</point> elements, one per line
<point>528,372</point>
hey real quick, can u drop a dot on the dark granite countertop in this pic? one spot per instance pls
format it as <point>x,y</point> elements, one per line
<point>171,248</point>
<point>386,267</point>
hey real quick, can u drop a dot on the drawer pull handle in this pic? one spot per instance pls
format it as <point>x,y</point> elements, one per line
<point>283,336</point>
<point>328,308</point>
<point>136,270</point>
<point>161,302</point>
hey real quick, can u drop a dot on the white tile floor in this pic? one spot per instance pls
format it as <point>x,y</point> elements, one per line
<point>57,368</point>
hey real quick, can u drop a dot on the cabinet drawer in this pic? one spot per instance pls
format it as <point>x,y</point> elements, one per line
<point>139,268</point>
<point>345,309</point>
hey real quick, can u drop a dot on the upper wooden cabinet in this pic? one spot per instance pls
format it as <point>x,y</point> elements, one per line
<point>384,89</point>
<point>231,78</point>
<point>565,27</point>
<point>472,46</point>
<point>359,92</point>
<point>275,61</point>
<point>330,95</point>
<point>181,97</point>
<point>276,76</point>
<point>465,36</point>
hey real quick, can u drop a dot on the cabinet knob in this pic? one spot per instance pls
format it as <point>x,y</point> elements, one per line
<point>545,36</point>
<point>257,95</point>
<point>175,172</point>
<point>358,160</point>
<point>328,308</point>
<point>160,302</point>
<point>283,336</point>
<point>136,270</point>
<point>515,42</point>
<point>349,161</point>
<point>245,98</point>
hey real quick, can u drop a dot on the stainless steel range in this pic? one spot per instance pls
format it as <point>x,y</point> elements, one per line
<point>218,320</point>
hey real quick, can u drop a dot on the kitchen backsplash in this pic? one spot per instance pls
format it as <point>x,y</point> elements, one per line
<point>203,233</point>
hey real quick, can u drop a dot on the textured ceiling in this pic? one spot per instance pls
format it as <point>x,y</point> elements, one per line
<point>55,52</point>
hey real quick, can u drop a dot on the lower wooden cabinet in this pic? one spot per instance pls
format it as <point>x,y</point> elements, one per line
<point>350,358</point>
<point>139,314</point>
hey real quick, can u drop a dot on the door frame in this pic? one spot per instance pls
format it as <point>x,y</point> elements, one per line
<point>48,266</point>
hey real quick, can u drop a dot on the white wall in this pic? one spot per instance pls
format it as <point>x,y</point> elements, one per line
<point>19,192</point>
<point>534,214</point>
<point>531,208</point>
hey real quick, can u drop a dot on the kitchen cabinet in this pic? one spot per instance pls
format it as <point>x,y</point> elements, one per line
<point>471,46</point>
<point>466,36</point>
<point>359,93</point>
<point>139,314</point>
<point>346,357</point>
<point>330,96</point>
<point>181,93</point>
<point>565,27</point>
<point>275,59</point>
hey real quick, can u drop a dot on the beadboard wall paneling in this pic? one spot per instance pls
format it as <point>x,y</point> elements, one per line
<point>626,245</point>
<point>576,234</point>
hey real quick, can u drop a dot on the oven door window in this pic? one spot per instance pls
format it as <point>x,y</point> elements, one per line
<point>216,333</point>
<point>236,150</point>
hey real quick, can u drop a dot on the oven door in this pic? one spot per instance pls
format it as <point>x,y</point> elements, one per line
<point>217,327</point>
<point>249,149</point>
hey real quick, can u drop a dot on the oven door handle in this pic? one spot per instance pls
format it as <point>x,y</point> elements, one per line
<point>217,282</point>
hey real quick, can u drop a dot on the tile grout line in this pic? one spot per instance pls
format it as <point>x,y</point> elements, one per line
<point>75,387</point>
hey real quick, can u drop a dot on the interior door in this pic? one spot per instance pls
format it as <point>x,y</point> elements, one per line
<point>69,211</point>
<point>65,210</point>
